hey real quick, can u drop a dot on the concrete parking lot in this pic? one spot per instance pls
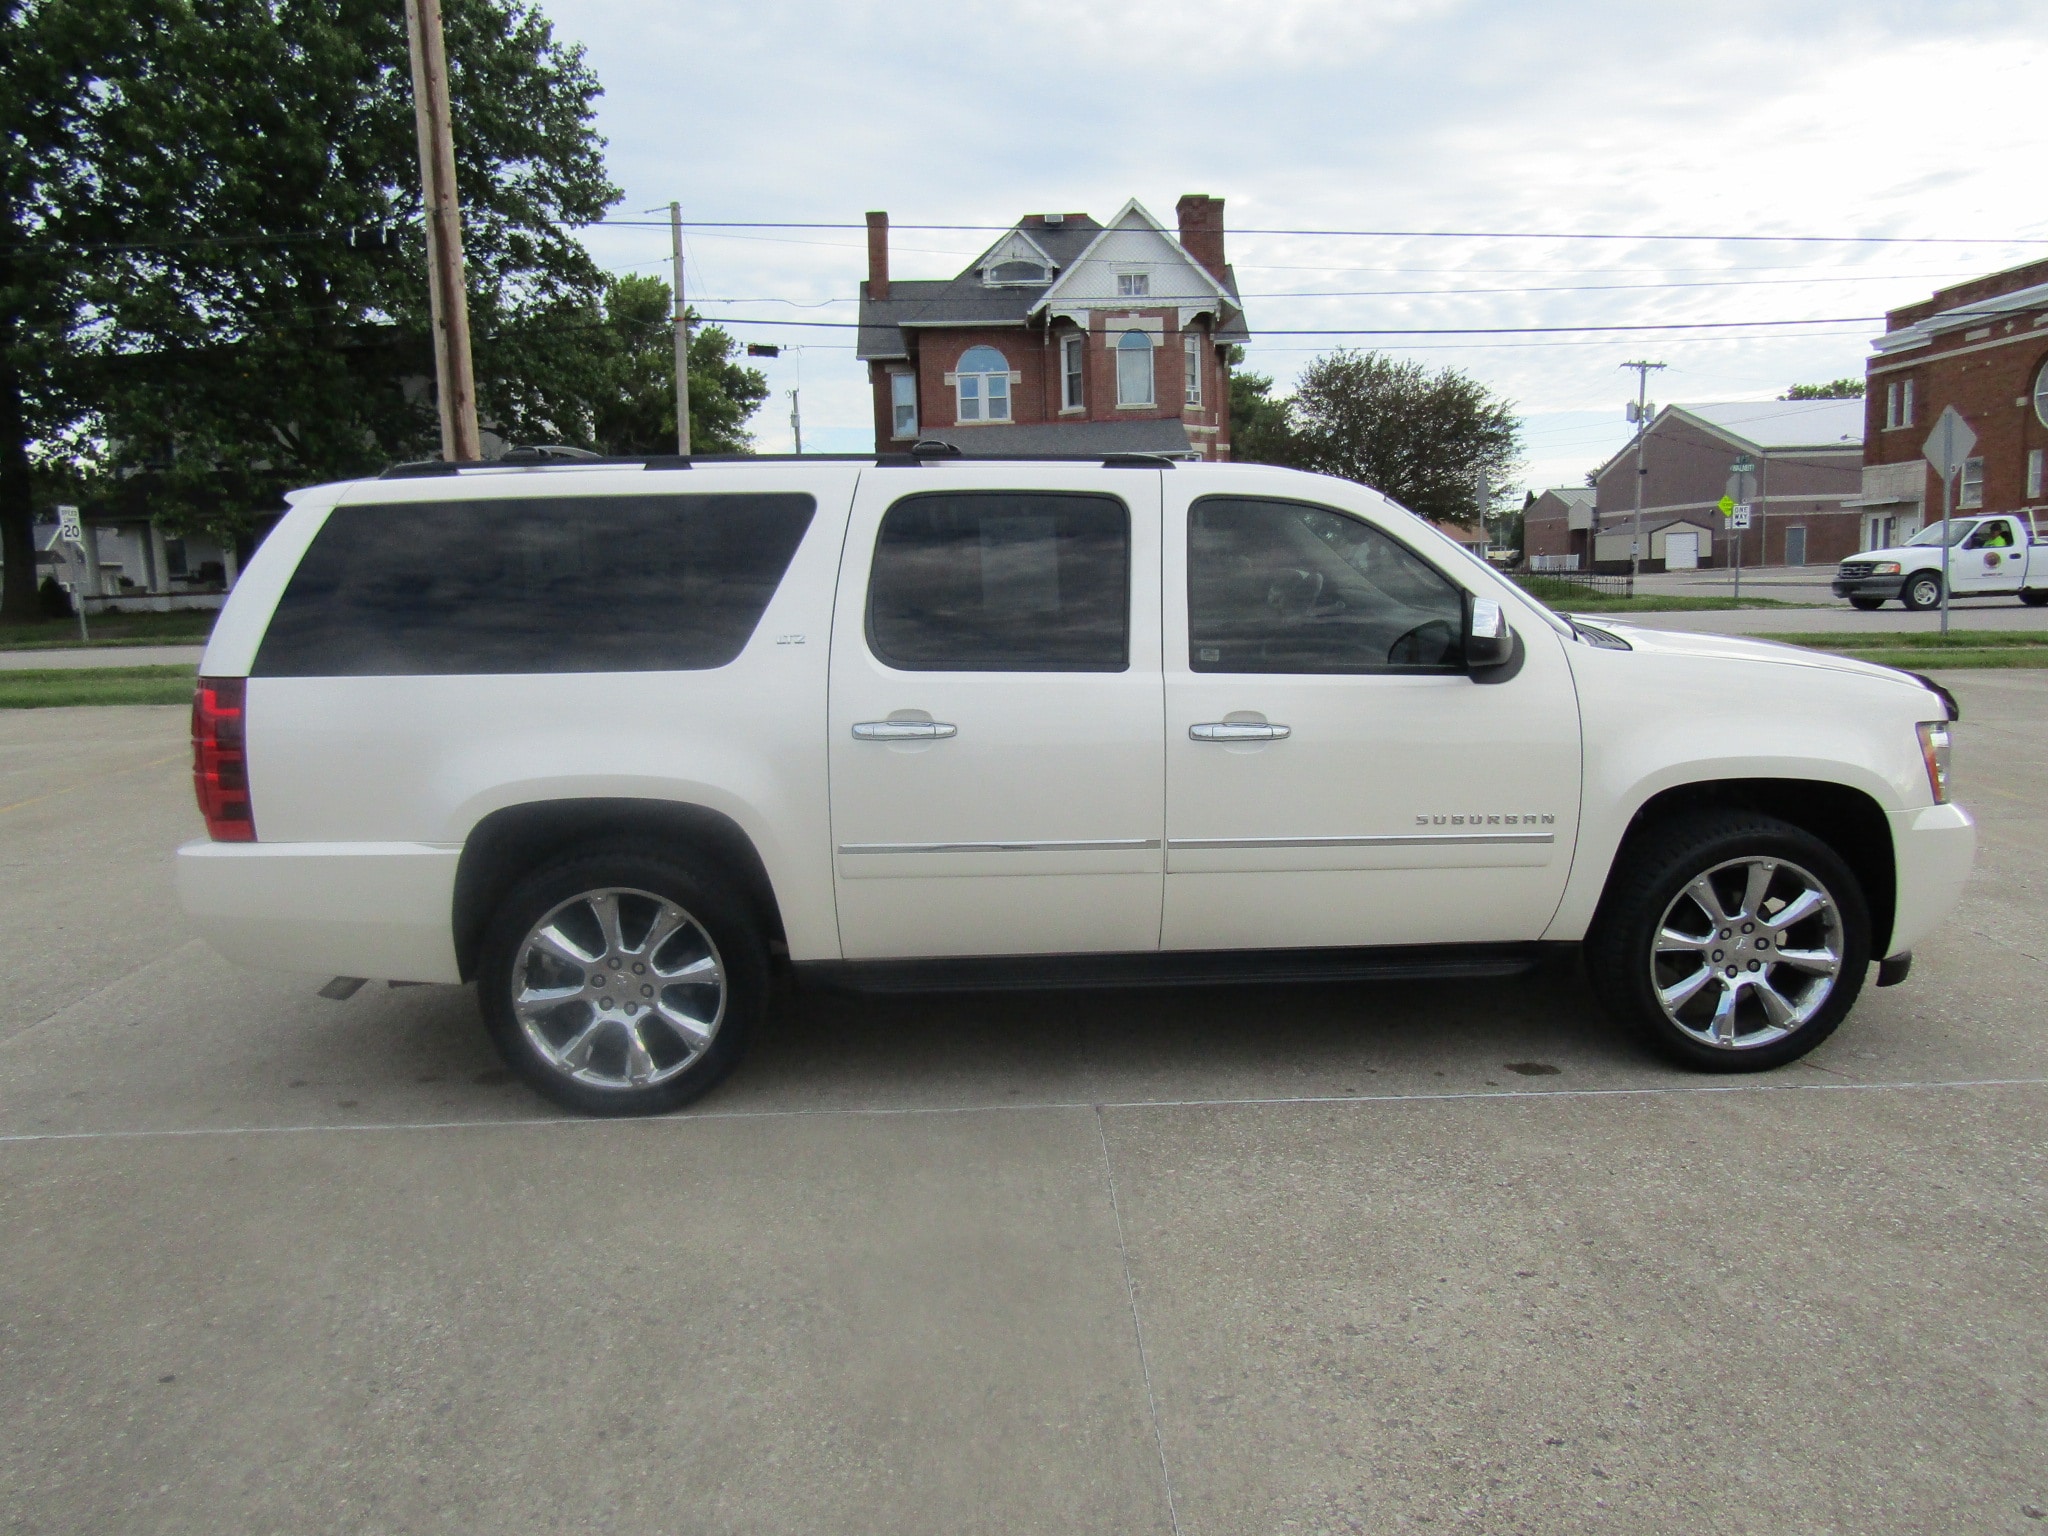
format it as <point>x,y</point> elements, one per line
<point>1312,1259</point>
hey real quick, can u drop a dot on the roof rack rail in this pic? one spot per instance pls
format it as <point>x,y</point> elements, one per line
<point>535,458</point>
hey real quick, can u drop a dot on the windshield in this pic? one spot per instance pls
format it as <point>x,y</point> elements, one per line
<point>1958,530</point>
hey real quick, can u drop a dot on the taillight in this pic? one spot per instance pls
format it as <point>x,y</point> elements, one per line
<point>220,759</point>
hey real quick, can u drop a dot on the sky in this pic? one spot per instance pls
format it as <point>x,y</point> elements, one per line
<point>1718,119</point>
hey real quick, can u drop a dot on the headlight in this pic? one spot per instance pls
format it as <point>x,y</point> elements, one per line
<point>1934,750</point>
<point>1885,568</point>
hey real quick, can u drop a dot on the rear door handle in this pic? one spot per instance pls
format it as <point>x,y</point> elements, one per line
<point>904,730</point>
<point>1238,730</point>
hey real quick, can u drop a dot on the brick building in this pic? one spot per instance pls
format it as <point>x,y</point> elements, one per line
<point>1065,335</point>
<point>1557,529</point>
<point>1809,458</point>
<point>1981,346</point>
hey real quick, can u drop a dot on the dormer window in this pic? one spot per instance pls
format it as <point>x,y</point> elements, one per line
<point>1133,285</point>
<point>1009,273</point>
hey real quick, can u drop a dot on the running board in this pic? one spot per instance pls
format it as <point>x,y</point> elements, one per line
<point>1177,968</point>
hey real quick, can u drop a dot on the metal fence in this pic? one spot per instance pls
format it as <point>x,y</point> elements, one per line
<point>1562,584</point>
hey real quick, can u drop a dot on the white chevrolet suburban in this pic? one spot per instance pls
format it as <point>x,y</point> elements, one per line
<point>618,740</point>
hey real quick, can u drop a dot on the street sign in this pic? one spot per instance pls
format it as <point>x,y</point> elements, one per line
<point>1743,465</point>
<point>1725,506</point>
<point>68,527</point>
<point>1739,518</point>
<point>1949,443</point>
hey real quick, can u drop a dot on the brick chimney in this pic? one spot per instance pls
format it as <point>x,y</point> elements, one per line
<point>1201,230</point>
<point>878,255</point>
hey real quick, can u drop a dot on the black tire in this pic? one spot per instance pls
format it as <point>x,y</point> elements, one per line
<point>1922,591</point>
<point>1866,604</point>
<point>2035,599</point>
<point>717,922</point>
<point>1648,886</point>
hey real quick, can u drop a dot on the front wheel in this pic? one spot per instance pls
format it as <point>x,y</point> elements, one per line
<point>1922,591</point>
<point>620,984</point>
<point>1866,604</point>
<point>1733,941</point>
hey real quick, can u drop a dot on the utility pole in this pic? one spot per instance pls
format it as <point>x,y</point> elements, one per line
<point>453,374</point>
<point>796,420</point>
<point>682,324</point>
<point>1642,421</point>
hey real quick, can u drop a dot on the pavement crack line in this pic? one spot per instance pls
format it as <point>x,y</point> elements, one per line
<point>1137,1324</point>
<point>907,1112</point>
<point>8,1038</point>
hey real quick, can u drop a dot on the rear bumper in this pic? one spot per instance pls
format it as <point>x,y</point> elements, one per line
<point>381,910</point>
<point>1869,586</point>
<point>1934,848</point>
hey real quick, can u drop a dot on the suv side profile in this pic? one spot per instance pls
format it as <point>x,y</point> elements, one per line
<point>616,741</point>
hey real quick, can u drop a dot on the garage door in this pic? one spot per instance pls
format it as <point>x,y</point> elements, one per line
<point>1681,552</point>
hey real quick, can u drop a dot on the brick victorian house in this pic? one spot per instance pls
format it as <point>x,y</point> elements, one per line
<point>1064,336</point>
<point>1981,346</point>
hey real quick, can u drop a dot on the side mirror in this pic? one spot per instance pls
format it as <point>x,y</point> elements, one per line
<point>1488,640</point>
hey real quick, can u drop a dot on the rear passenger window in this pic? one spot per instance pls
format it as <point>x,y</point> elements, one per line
<point>1002,581</point>
<point>536,584</point>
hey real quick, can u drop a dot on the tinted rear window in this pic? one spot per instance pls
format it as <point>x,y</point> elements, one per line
<point>548,584</point>
<point>1002,581</point>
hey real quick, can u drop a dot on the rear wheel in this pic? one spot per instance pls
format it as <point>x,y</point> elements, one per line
<point>619,984</point>
<point>2035,598</point>
<point>1867,604</point>
<point>1732,941</point>
<point>1922,591</point>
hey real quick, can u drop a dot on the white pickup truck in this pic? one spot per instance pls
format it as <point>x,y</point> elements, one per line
<point>617,742</point>
<point>2002,555</point>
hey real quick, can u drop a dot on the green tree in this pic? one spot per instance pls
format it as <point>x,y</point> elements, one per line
<point>1423,438</point>
<point>1836,389</point>
<point>632,395</point>
<point>1261,427</point>
<point>225,286</point>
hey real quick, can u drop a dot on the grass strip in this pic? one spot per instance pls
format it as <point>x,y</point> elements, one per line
<point>1573,598</point>
<point>57,687</point>
<point>184,627</point>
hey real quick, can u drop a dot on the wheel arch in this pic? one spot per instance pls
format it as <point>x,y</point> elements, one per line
<point>511,842</point>
<point>1844,817</point>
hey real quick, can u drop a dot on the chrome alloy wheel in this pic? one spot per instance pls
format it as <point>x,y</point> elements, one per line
<point>619,988</point>
<point>1746,953</point>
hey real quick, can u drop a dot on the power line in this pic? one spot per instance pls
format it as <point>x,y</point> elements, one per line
<point>1388,234</point>
<point>1432,330</point>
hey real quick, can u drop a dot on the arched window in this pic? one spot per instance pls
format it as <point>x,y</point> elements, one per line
<point>2041,394</point>
<point>1016,272</point>
<point>981,380</point>
<point>1134,369</point>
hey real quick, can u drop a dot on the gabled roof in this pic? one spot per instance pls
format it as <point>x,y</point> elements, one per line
<point>965,300</point>
<point>1570,495</point>
<point>1765,426</point>
<point>1133,212</point>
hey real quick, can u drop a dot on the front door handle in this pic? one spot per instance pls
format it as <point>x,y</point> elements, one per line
<point>904,730</point>
<point>1238,730</point>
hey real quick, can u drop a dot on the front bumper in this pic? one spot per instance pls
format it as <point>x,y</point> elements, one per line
<point>1869,586</point>
<point>380,910</point>
<point>1934,848</point>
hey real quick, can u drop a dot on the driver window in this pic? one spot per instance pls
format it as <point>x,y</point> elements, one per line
<point>1991,536</point>
<point>1280,586</point>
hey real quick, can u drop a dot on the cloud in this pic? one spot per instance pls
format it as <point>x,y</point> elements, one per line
<point>1580,115</point>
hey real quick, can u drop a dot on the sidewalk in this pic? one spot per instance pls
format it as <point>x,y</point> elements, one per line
<point>103,656</point>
